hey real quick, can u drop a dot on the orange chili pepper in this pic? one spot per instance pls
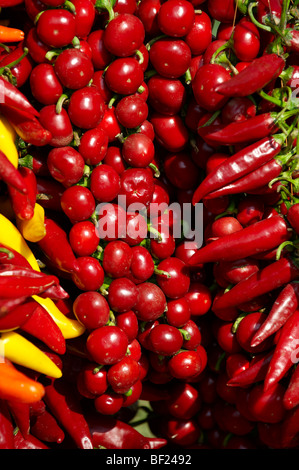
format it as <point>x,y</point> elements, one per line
<point>14,385</point>
<point>8,34</point>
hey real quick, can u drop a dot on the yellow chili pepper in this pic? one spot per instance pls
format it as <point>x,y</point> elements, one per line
<point>12,238</point>
<point>7,141</point>
<point>33,230</point>
<point>19,350</point>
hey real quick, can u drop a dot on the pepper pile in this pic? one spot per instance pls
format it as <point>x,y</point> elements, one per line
<point>108,307</point>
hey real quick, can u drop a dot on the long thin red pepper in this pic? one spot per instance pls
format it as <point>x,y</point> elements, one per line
<point>10,256</point>
<point>7,305</point>
<point>41,325</point>
<point>27,126</point>
<point>11,175</point>
<point>56,247</point>
<point>12,97</point>
<point>65,405</point>
<point>254,77</point>
<point>19,282</point>
<point>284,306</point>
<point>256,238</point>
<point>6,427</point>
<point>254,180</point>
<point>271,277</point>
<point>46,428</point>
<point>112,433</point>
<point>21,415</point>
<point>256,372</point>
<point>239,132</point>
<point>23,205</point>
<point>239,165</point>
<point>18,316</point>
<point>283,357</point>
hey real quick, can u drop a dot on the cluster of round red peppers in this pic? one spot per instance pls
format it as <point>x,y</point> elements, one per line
<point>191,102</point>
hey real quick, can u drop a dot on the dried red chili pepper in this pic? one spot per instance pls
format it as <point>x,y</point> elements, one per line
<point>254,77</point>
<point>23,204</point>
<point>284,306</point>
<point>27,126</point>
<point>285,348</point>
<point>256,238</point>
<point>271,277</point>
<point>65,406</point>
<point>239,165</point>
<point>56,247</point>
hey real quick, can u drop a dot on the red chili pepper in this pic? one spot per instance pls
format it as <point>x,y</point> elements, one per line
<point>30,442</point>
<point>12,97</point>
<point>256,372</point>
<point>10,256</point>
<point>254,77</point>
<point>21,415</point>
<point>41,325</point>
<point>46,428</point>
<point>240,132</point>
<point>6,427</point>
<point>258,178</point>
<point>291,40</point>
<point>291,396</point>
<point>284,306</point>
<point>283,359</point>
<point>23,204</point>
<point>65,405</point>
<point>256,238</point>
<point>7,305</point>
<point>293,217</point>
<point>111,433</point>
<point>11,175</point>
<point>18,62</point>
<point>18,316</point>
<point>239,165</point>
<point>19,282</point>
<point>27,126</point>
<point>268,9</point>
<point>290,428</point>
<point>271,277</point>
<point>56,247</point>
<point>49,193</point>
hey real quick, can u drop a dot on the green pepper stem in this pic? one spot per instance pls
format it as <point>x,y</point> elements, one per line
<point>254,20</point>
<point>15,62</point>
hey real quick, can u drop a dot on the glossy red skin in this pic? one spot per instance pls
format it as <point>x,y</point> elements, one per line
<point>33,7</point>
<point>122,375</point>
<point>185,401</point>
<point>195,336</point>
<point>178,284</point>
<point>91,309</point>
<point>131,111</point>
<point>193,114</point>
<point>124,35</point>
<point>142,266</point>
<point>104,183</point>
<point>206,78</point>
<point>96,383</point>
<point>128,322</point>
<point>250,210</point>
<point>170,131</point>
<point>185,365</point>
<point>83,238</point>
<point>164,247</point>
<point>222,11</point>
<point>59,125</point>
<point>93,146</point>
<point>176,17</point>
<point>210,51</point>
<point>112,219</point>
<point>137,185</point>
<point>85,16</point>
<point>267,407</point>
<point>235,271</point>
<point>200,35</point>
<point>117,259</point>
<point>114,158</point>
<point>36,48</point>
<point>246,40</point>
<point>125,6</point>
<point>78,203</point>
<point>178,312</point>
<point>142,56</point>
<point>151,302</point>
<point>170,57</point>
<point>110,125</point>
<point>247,329</point>
<point>226,339</point>
<point>182,432</point>
<point>101,57</point>
<point>215,160</point>
<point>166,96</point>
<point>107,345</point>
<point>73,68</point>
<point>138,150</point>
<point>147,12</point>
<point>56,28</point>
<point>86,107</point>
<point>52,88</point>
<point>199,298</point>
<point>108,403</point>
<point>21,71</point>
<point>90,275</point>
<point>136,232</point>
<point>98,80</point>
<point>236,363</point>
<point>228,394</point>
<point>238,109</point>
<point>122,295</point>
<point>124,76</point>
<point>66,165</point>
<point>165,340</point>
<point>225,226</point>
